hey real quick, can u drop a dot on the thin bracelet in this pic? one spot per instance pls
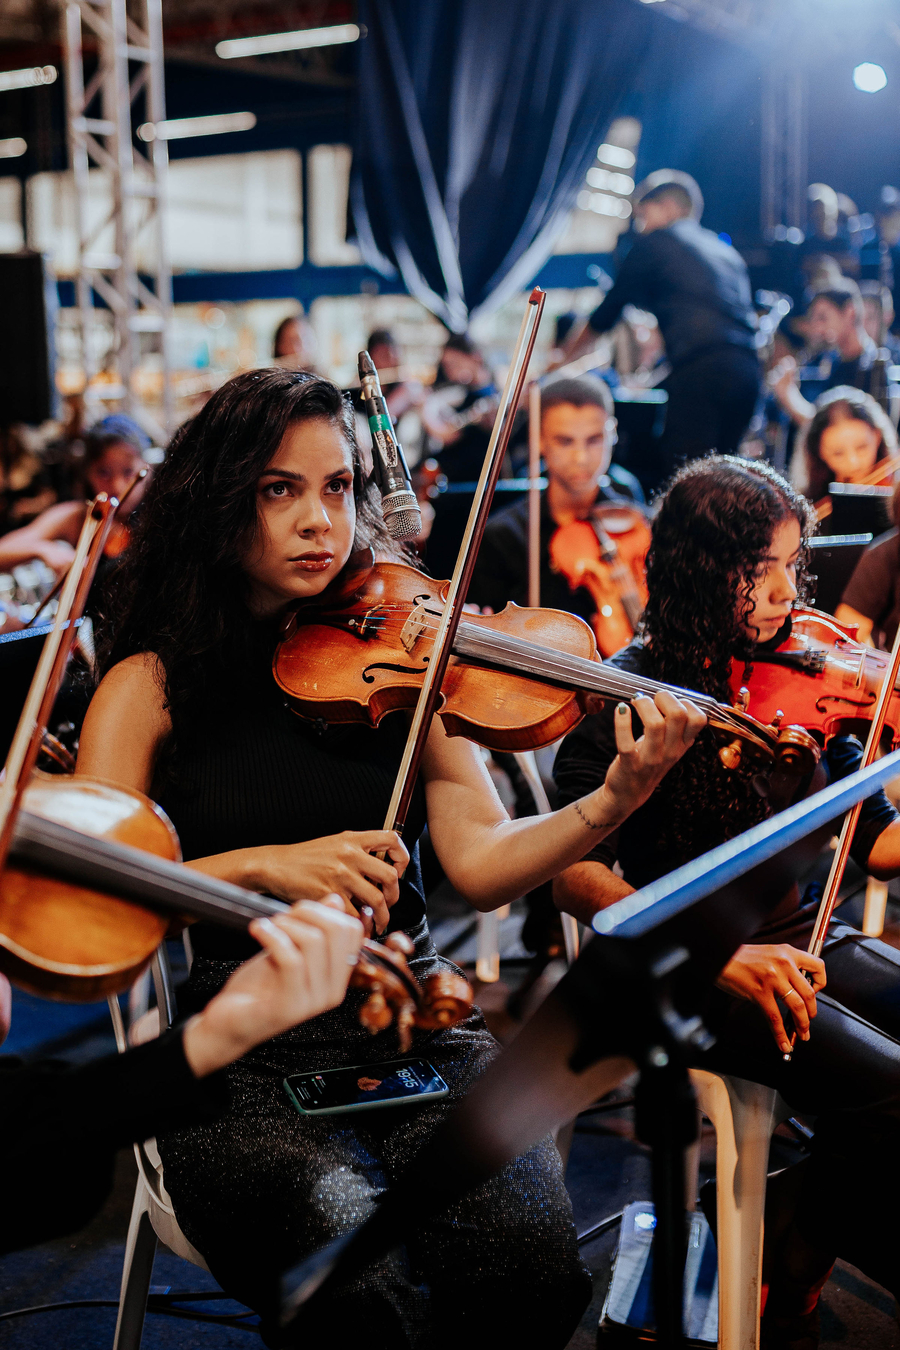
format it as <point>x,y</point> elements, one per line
<point>589,823</point>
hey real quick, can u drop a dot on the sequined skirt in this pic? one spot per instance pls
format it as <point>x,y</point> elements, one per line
<point>263,1186</point>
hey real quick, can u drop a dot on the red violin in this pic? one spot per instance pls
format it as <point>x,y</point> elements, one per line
<point>820,678</point>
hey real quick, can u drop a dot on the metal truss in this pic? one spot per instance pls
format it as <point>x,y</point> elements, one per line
<point>784,149</point>
<point>113,55</point>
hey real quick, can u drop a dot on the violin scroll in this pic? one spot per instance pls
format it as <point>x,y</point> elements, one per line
<point>395,994</point>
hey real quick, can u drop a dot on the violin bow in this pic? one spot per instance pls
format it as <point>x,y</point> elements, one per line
<point>534,495</point>
<point>430,692</point>
<point>48,676</point>
<point>884,469</point>
<point>829,900</point>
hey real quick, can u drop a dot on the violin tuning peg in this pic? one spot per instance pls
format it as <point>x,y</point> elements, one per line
<point>777,719</point>
<point>731,754</point>
<point>742,702</point>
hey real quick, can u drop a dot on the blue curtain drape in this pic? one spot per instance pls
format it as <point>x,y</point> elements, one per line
<point>477,121</point>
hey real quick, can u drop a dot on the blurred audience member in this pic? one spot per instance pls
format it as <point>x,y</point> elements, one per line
<point>847,436</point>
<point>294,345</point>
<point>400,394</point>
<point>878,316</point>
<point>113,457</point>
<point>833,324</point>
<point>698,287</point>
<point>459,414</point>
<point>828,236</point>
<point>25,487</point>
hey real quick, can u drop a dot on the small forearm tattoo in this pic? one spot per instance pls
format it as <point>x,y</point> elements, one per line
<point>598,824</point>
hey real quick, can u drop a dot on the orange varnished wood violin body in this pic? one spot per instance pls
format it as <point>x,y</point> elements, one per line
<point>515,681</point>
<point>606,554</point>
<point>80,919</point>
<point>821,678</point>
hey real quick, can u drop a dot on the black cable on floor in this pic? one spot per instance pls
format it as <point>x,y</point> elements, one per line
<point>163,1304</point>
<point>602,1227</point>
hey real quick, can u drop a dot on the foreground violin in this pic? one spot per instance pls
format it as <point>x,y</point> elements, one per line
<point>93,881</point>
<point>516,680</point>
<point>821,678</point>
<point>606,554</point>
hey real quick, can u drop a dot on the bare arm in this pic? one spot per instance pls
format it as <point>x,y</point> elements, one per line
<point>586,887</point>
<point>491,859</point>
<point>51,538</point>
<point>124,731</point>
<point>784,385</point>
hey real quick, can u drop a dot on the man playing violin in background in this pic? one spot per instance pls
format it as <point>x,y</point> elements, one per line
<point>578,434</point>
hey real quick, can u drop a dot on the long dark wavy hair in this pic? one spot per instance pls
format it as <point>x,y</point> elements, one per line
<point>181,590</point>
<point>710,537</point>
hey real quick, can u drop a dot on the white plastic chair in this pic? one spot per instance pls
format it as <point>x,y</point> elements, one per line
<point>745,1116</point>
<point>152,1216</point>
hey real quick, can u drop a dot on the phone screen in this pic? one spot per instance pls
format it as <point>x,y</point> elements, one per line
<point>364,1086</point>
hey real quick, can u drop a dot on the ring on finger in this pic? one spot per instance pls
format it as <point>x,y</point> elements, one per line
<point>788,993</point>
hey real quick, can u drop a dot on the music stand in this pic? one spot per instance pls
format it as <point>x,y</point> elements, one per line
<point>19,655</point>
<point>834,559</point>
<point>632,999</point>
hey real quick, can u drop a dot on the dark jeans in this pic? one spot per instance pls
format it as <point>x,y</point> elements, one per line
<point>847,1075</point>
<point>711,402</point>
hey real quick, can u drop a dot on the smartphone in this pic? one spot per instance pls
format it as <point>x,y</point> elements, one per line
<point>365,1087</point>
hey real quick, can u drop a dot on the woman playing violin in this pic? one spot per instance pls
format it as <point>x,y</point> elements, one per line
<point>112,459</point>
<point>259,505</point>
<point>725,566</point>
<point>849,435</point>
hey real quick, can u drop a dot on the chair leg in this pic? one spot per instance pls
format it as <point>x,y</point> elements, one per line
<point>744,1117</point>
<point>140,1251</point>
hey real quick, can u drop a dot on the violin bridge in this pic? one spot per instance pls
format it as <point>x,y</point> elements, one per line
<point>414,627</point>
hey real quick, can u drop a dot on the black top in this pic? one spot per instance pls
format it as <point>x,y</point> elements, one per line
<point>874,588</point>
<point>581,767</point>
<point>697,286</point>
<point>501,570</point>
<point>857,372</point>
<point>262,775</point>
<point>60,1128</point>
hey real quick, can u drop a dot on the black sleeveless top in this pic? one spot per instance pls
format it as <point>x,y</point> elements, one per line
<point>258,774</point>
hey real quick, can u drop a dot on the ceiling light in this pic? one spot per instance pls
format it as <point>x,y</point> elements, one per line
<point>176,128</point>
<point>869,78</point>
<point>288,42</point>
<point>27,78</point>
<point>616,154</point>
<point>12,147</point>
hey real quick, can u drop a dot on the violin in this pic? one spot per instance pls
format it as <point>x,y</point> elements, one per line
<point>606,554</point>
<point>820,678</point>
<point>94,878</point>
<point>515,681</point>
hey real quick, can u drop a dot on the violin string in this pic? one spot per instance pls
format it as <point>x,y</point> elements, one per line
<point>585,674</point>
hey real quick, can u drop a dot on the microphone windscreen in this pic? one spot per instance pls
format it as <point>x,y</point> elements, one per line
<point>404,524</point>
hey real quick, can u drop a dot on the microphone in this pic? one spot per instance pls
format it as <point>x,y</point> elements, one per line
<point>399,504</point>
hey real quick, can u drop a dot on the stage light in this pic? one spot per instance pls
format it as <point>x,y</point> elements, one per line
<point>176,128</point>
<point>288,42</point>
<point>12,147</point>
<point>28,78</point>
<point>616,154</point>
<point>869,78</point>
